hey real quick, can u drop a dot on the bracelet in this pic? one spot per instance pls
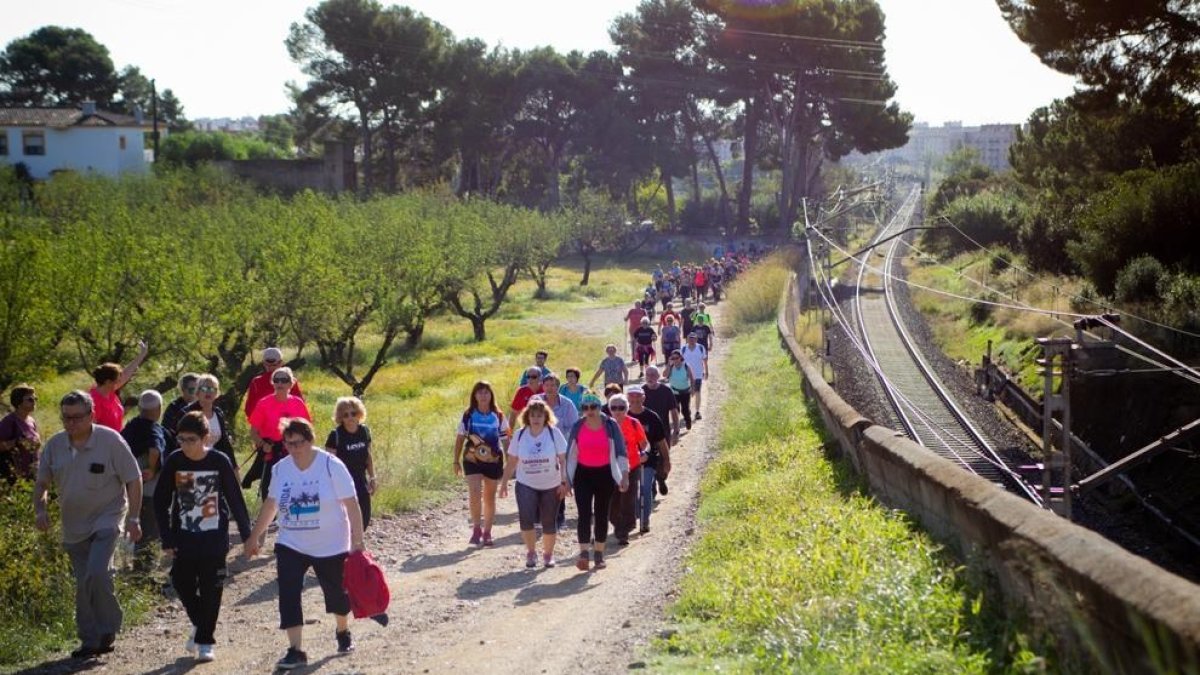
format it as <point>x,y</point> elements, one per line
<point>135,521</point>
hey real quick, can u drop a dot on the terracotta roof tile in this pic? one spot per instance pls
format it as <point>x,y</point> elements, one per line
<point>63,117</point>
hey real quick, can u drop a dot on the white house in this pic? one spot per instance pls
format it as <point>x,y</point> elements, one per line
<point>77,139</point>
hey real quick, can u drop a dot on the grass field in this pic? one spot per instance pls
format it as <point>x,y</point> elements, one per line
<point>799,570</point>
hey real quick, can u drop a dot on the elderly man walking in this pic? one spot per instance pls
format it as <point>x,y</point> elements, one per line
<point>96,478</point>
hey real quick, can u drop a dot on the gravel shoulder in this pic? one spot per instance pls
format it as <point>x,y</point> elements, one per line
<point>456,608</point>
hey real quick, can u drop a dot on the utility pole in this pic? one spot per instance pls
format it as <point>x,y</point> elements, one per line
<point>154,117</point>
<point>1056,464</point>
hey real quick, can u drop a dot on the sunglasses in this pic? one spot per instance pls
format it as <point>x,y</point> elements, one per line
<point>31,399</point>
<point>616,408</point>
<point>207,389</point>
<point>281,381</point>
<point>589,406</point>
<point>271,361</point>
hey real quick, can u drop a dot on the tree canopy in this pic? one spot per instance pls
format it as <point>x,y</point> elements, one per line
<point>1125,46</point>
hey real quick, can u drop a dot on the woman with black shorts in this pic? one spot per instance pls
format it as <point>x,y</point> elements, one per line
<point>479,455</point>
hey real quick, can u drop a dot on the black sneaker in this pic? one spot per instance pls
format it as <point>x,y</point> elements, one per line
<point>294,658</point>
<point>697,417</point>
<point>662,488</point>
<point>107,644</point>
<point>345,645</point>
<point>85,652</point>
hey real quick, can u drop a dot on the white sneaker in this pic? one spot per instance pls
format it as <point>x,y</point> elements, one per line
<point>190,647</point>
<point>205,654</point>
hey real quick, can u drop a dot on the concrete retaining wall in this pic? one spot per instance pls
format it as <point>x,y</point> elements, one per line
<point>1111,609</point>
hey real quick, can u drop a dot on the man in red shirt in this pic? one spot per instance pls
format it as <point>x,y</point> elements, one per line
<point>533,386</point>
<point>261,386</point>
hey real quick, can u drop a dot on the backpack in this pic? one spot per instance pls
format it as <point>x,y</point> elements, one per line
<point>364,581</point>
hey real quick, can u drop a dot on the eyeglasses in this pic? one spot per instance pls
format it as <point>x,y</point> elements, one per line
<point>295,444</point>
<point>279,380</point>
<point>616,408</point>
<point>76,418</point>
<point>31,399</point>
<point>589,406</point>
<point>188,439</point>
<point>207,389</point>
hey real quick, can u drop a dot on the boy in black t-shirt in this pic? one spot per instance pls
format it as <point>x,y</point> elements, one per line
<point>197,494</point>
<point>350,441</point>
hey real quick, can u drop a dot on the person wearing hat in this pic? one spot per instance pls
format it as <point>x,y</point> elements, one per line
<point>596,464</point>
<point>148,442</point>
<point>260,388</point>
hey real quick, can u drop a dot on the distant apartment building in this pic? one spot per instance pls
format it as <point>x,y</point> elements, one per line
<point>84,139</point>
<point>228,124</point>
<point>927,145</point>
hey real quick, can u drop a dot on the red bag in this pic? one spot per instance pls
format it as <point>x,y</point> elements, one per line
<point>367,587</point>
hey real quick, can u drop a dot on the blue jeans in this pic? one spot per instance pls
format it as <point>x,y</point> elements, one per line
<point>646,498</point>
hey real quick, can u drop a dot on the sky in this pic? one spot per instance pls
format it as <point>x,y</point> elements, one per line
<point>952,60</point>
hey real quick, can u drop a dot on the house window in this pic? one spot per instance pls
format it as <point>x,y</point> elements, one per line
<point>122,142</point>
<point>3,143</point>
<point>34,142</point>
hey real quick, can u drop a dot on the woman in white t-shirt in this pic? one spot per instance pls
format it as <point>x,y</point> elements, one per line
<point>538,452</point>
<point>319,524</point>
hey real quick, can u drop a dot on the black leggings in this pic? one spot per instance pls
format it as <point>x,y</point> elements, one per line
<point>685,404</point>
<point>593,491</point>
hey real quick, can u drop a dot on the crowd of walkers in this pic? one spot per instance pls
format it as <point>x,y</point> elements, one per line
<point>169,477</point>
<point>608,450</point>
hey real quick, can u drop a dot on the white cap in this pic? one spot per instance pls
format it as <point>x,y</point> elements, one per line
<point>149,400</point>
<point>272,354</point>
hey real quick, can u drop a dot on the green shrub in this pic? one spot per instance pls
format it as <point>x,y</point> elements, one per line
<point>1001,260</point>
<point>1181,300</point>
<point>754,296</point>
<point>1139,280</point>
<point>1145,212</point>
<point>991,218</point>
<point>37,592</point>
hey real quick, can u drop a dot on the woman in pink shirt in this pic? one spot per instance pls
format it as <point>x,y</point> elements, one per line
<point>267,419</point>
<point>106,395</point>
<point>596,464</point>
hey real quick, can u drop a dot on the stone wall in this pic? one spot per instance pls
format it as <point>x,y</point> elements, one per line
<point>1102,605</point>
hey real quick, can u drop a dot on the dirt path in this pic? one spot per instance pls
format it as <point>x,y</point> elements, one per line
<point>460,609</point>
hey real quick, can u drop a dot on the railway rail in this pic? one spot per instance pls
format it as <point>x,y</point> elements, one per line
<point>924,406</point>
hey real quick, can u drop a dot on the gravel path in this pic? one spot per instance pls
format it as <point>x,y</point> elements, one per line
<point>456,608</point>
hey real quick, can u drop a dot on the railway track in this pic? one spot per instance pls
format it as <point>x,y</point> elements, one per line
<point>924,407</point>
